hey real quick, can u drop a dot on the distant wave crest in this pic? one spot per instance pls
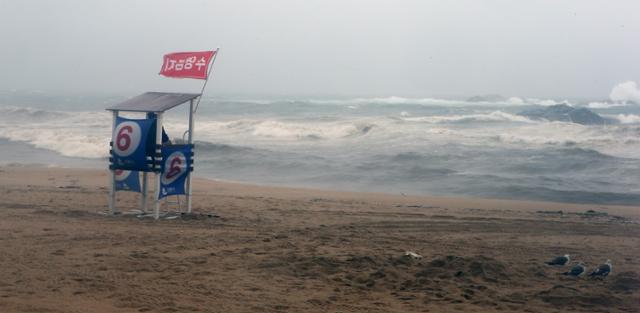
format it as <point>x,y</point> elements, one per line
<point>496,116</point>
<point>13,113</point>
<point>354,103</point>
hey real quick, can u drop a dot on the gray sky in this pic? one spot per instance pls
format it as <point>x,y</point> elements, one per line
<point>347,48</point>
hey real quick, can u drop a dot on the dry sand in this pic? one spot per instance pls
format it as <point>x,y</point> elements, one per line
<point>297,250</point>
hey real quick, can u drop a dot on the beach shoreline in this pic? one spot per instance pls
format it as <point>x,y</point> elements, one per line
<point>274,249</point>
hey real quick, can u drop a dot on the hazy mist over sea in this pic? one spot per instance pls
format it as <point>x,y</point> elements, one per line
<point>352,95</point>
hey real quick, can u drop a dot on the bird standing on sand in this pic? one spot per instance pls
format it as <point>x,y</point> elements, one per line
<point>561,260</point>
<point>576,270</point>
<point>602,270</point>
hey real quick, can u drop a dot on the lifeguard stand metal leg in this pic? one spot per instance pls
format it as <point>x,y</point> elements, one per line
<point>156,206</point>
<point>112,174</point>
<point>145,188</point>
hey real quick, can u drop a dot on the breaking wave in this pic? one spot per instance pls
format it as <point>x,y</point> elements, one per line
<point>627,118</point>
<point>287,130</point>
<point>27,114</point>
<point>625,92</point>
<point>496,116</point>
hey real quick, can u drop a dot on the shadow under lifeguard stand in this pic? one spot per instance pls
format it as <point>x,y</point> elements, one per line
<point>137,146</point>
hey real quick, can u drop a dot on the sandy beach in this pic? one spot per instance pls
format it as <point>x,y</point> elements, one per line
<point>267,249</point>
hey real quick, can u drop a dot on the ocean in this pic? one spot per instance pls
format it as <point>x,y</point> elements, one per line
<point>418,146</point>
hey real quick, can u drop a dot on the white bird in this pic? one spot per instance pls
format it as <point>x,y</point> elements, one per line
<point>561,260</point>
<point>603,270</point>
<point>576,270</point>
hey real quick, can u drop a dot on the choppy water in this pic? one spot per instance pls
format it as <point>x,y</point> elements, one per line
<point>414,146</point>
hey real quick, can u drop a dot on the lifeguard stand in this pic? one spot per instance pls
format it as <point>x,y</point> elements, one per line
<point>132,139</point>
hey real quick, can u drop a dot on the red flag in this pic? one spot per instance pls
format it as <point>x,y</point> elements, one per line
<point>187,64</point>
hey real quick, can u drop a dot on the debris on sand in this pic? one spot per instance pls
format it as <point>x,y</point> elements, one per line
<point>559,212</point>
<point>593,213</point>
<point>412,255</point>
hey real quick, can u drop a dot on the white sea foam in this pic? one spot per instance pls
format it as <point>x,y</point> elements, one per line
<point>617,140</point>
<point>277,129</point>
<point>273,129</point>
<point>496,116</point>
<point>547,102</point>
<point>393,100</point>
<point>77,134</point>
<point>627,118</point>
<point>67,142</point>
<point>604,105</point>
<point>27,114</point>
<point>515,101</point>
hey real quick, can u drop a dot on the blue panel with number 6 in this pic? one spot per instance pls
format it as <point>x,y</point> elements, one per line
<point>129,139</point>
<point>176,164</point>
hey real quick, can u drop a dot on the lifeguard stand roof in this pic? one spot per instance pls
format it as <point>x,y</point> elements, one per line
<point>153,102</point>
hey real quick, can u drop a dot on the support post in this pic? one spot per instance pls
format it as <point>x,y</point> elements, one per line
<point>145,188</point>
<point>156,206</point>
<point>112,174</point>
<point>189,187</point>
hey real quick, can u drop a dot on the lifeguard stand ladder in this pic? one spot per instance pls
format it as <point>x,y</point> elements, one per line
<point>157,103</point>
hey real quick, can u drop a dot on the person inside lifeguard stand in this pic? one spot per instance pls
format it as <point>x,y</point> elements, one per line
<point>151,137</point>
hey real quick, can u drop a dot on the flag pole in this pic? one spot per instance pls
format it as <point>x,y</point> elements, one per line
<point>207,79</point>
<point>189,192</point>
<point>192,111</point>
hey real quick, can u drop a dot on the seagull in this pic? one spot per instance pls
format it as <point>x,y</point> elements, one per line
<point>576,270</point>
<point>603,270</point>
<point>561,260</point>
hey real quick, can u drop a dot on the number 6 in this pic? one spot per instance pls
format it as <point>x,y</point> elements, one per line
<point>122,136</point>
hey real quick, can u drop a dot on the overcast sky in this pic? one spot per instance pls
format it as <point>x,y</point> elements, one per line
<point>347,48</point>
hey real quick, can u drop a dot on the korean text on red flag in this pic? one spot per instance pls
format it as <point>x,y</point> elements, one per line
<point>187,64</point>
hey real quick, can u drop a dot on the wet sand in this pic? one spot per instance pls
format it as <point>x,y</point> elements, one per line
<point>267,249</point>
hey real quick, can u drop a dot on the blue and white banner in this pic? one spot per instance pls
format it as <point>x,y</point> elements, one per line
<point>130,144</point>
<point>176,166</point>
<point>127,180</point>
